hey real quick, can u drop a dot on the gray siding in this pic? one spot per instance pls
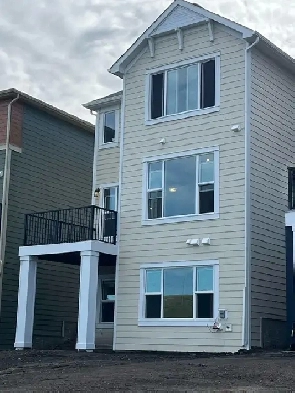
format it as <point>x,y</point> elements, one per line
<point>272,151</point>
<point>53,171</point>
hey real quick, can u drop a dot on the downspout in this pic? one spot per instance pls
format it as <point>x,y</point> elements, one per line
<point>95,154</point>
<point>246,327</point>
<point>5,190</point>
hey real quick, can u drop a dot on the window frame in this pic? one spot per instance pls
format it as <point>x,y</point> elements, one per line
<point>107,325</point>
<point>189,113</point>
<point>102,144</point>
<point>104,187</point>
<point>181,218</point>
<point>142,321</point>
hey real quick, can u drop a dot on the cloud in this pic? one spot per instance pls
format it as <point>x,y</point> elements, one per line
<point>59,51</point>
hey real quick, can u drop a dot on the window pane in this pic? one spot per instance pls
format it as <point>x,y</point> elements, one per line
<point>107,312</point>
<point>180,186</point>
<point>108,290</point>
<point>206,199</point>
<point>182,90</point>
<point>157,95</point>
<point>171,92</point>
<point>153,280</point>
<point>206,162</point>
<point>153,306</point>
<point>192,76</point>
<point>208,84</point>
<point>109,127</point>
<point>178,293</point>
<point>204,304</point>
<point>110,198</point>
<point>155,175</point>
<point>155,204</point>
<point>205,278</point>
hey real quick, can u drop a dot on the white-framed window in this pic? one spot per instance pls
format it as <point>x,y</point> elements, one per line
<point>110,196</point>
<point>185,89</point>
<point>107,301</point>
<point>179,293</point>
<point>109,128</point>
<point>181,187</point>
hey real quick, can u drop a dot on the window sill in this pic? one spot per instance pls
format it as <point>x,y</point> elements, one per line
<point>108,145</point>
<point>192,217</point>
<point>182,115</point>
<point>175,322</point>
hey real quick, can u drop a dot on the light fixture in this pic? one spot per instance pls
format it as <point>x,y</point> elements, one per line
<point>172,189</point>
<point>97,192</point>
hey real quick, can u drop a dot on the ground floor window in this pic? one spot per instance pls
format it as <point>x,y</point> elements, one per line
<point>107,301</point>
<point>183,291</point>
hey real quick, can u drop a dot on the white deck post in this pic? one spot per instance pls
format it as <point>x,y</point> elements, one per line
<point>87,300</point>
<point>26,302</point>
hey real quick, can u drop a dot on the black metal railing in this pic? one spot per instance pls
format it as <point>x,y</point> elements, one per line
<point>71,225</point>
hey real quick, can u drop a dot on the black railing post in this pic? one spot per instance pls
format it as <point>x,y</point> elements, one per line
<point>116,229</point>
<point>91,224</point>
<point>26,229</point>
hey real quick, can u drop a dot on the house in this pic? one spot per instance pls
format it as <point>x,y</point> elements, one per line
<point>46,165</point>
<point>193,155</point>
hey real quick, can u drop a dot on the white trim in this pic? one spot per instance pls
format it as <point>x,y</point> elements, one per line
<point>117,272</point>
<point>88,245</point>
<point>151,43</point>
<point>142,321</point>
<point>210,28</point>
<point>189,217</point>
<point>188,113</point>
<point>111,108</point>
<point>185,153</point>
<point>180,38</point>
<point>95,157</point>
<point>105,187</point>
<point>118,67</point>
<point>11,147</point>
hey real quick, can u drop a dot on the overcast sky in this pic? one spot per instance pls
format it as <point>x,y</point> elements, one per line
<point>60,50</point>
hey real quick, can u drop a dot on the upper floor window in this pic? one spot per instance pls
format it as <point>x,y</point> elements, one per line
<point>186,89</point>
<point>182,186</point>
<point>109,127</point>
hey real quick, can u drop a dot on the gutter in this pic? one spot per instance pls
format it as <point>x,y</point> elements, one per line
<point>5,191</point>
<point>246,325</point>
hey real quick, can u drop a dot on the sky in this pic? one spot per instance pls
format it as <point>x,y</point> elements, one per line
<point>60,50</point>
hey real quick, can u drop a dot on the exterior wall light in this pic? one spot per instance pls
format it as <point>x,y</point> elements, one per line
<point>96,193</point>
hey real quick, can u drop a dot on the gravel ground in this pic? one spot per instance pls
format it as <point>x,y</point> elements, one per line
<point>69,371</point>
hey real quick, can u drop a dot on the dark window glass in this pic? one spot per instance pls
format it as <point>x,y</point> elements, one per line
<point>204,305</point>
<point>107,312</point>
<point>109,127</point>
<point>155,204</point>
<point>153,306</point>
<point>206,198</point>
<point>157,96</point>
<point>178,293</point>
<point>208,84</point>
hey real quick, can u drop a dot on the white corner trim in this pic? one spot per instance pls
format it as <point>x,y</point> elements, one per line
<point>151,43</point>
<point>183,115</point>
<point>171,220</point>
<point>210,28</point>
<point>179,33</point>
<point>11,147</point>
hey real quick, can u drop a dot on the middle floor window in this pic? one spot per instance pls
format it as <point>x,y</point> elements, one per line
<point>182,186</point>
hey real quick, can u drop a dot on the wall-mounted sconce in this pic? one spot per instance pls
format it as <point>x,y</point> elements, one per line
<point>96,193</point>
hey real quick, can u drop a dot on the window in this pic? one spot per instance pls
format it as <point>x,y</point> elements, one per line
<point>182,186</point>
<point>189,87</point>
<point>109,125</point>
<point>107,301</point>
<point>110,202</point>
<point>187,292</point>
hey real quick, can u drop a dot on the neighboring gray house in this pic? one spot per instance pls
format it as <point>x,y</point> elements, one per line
<point>193,155</point>
<point>49,166</point>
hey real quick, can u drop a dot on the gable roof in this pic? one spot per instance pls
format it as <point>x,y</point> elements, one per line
<point>43,106</point>
<point>198,14</point>
<point>113,98</point>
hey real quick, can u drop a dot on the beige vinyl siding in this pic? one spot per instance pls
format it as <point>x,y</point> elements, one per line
<point>167,242</point>
<point>272,151</point>
<point>107,159</point>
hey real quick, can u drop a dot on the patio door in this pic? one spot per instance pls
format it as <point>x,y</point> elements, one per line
<point>110,202</point>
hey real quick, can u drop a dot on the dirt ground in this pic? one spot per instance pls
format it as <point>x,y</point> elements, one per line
<point>67,371</point>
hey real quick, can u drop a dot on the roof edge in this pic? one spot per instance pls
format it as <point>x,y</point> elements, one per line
<point>99,103</point>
